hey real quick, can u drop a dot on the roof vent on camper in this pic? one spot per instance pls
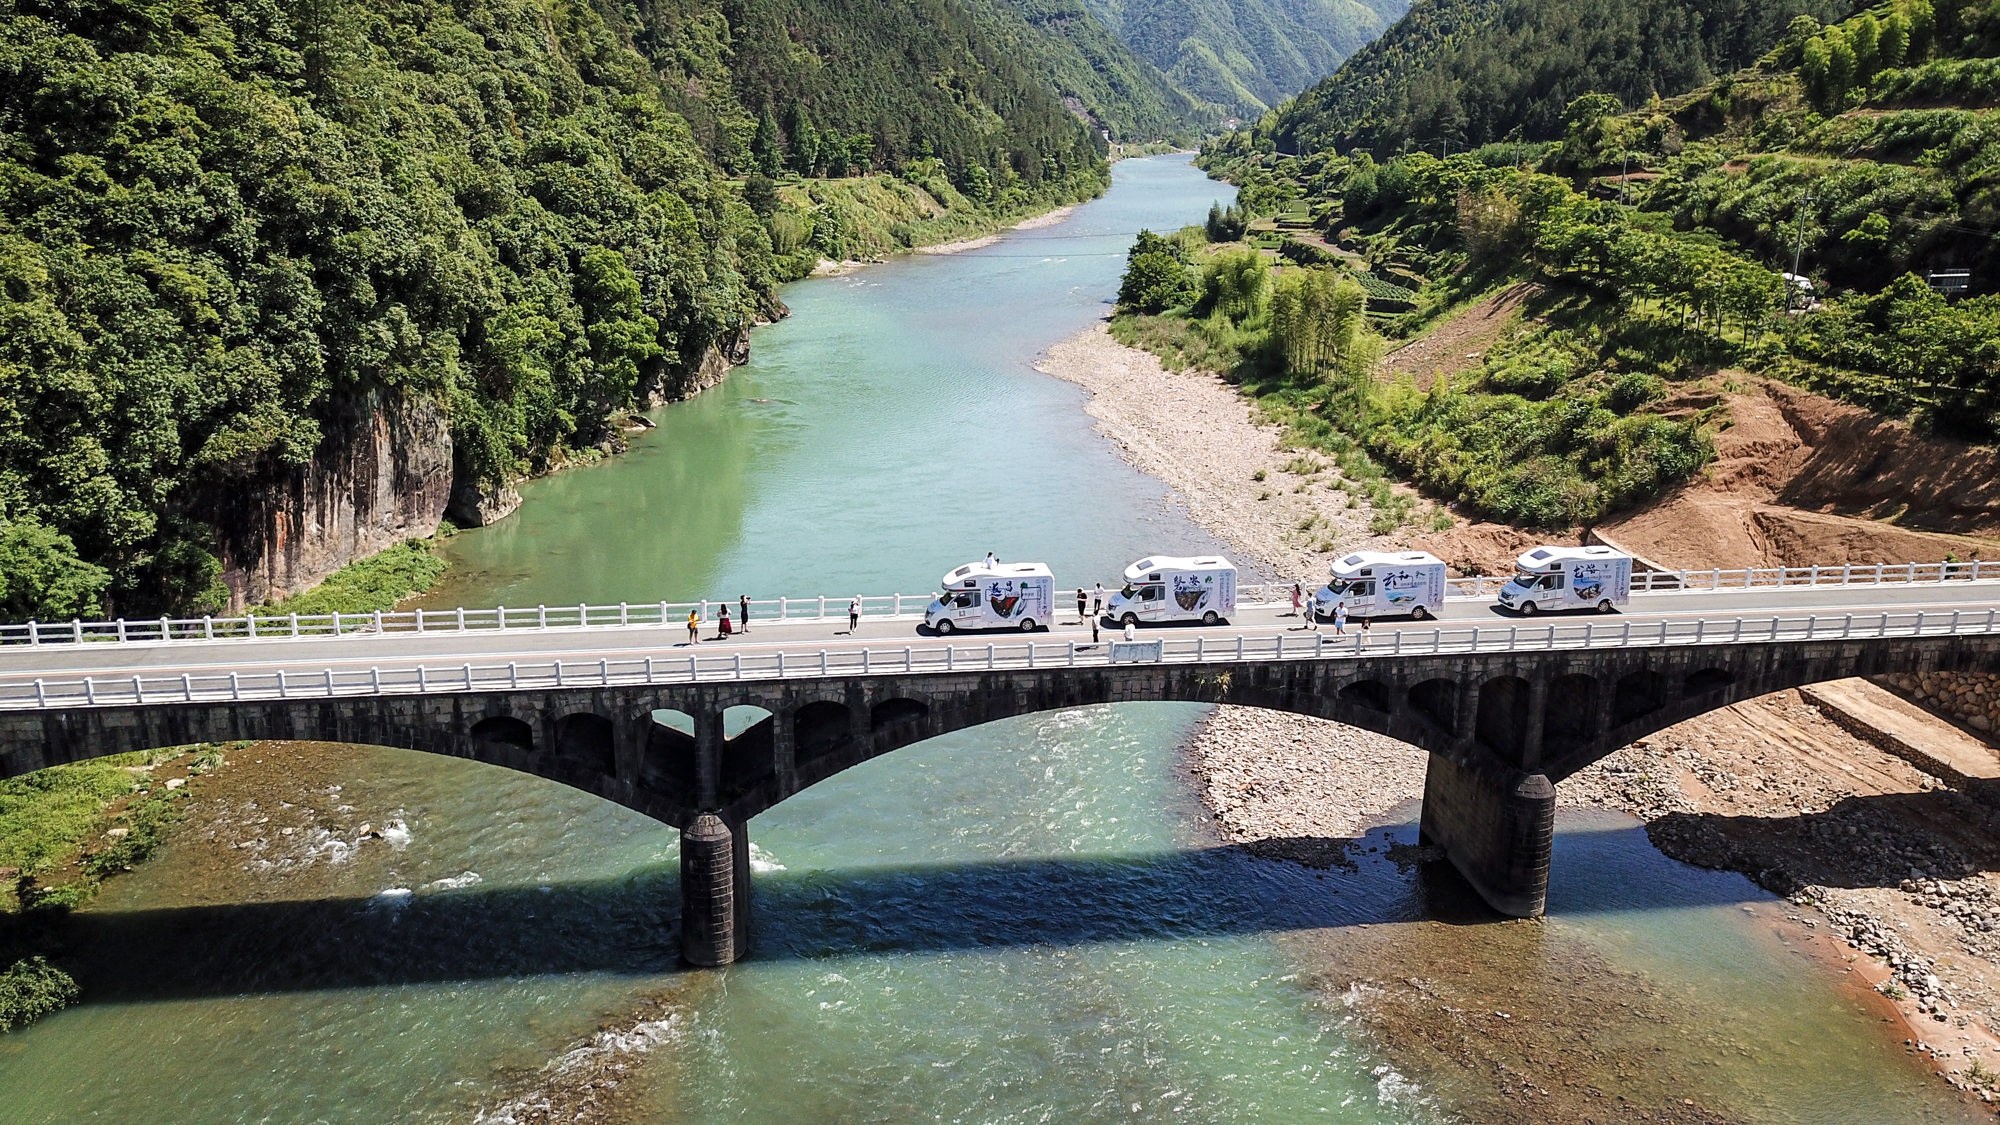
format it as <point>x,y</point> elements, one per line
<point>1539,553</point>
<point>1350,560</point>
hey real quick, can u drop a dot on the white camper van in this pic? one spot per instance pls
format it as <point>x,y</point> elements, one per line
<point>1171,589</point>
<point>1002,596</point>
<point>1569,578</point>
<point>1383,584</point>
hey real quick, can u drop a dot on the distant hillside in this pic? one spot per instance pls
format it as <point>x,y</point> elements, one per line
<point>1469,72</point>
<point>1097,75</point>
<point>1247,54</point>
<point>826,85</point>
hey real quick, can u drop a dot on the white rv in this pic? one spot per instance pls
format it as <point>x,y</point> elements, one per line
<point>1001,596</point>
<point>1173,589</point>
<point>1383,584</point>
<point>1569,578</point>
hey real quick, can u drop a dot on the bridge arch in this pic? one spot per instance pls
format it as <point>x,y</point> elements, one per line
<point>1501,726</point>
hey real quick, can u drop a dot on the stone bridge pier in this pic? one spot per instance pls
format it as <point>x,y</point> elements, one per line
<point>1503,729</point>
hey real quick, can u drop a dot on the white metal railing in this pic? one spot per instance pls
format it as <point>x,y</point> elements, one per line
<point>873,607</point>
<point>1199,647</point>
<point>1772,577</point>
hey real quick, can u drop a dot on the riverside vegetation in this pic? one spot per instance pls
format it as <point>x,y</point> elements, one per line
<point>1653,241</point>
<point>221,220</point>
<point>63,831</point>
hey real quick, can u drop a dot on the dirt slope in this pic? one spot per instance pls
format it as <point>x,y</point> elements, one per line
<point>1799,479</point>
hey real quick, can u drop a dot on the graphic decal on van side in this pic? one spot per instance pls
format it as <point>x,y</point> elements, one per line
<point>1192,590</point>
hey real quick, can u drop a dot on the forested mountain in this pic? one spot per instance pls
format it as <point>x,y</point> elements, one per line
<point>1096,73</point>
<point>229,228</point>
<point>1649,242</point>
<point>1247,54</point>
<point>1466,72</point>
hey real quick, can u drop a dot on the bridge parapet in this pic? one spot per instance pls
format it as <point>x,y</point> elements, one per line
<point>929,657</point>
<point>873,607</point>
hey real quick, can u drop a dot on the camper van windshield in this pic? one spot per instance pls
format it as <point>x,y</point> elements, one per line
<point>1526,577</point>
<point>1128,591</point>
<point>1339,586</point>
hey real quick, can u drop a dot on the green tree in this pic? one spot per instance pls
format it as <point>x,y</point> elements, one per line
<point>807,155</point>
<point>1157,276</point>
<point>42,578</point>
<point>767,148</point>
<point>1317,317</point>
<point>1236,285</point>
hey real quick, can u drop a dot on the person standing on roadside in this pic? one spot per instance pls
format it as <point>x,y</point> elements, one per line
<point>722,629</point>
<point>1093,629</point>
<point>1081,604</point>
<point>1298,597</point>
<point>1340,619</point>
<point>991,562</point>
<point>854,615</point>
<point>743,618</point>
<point>694,627</point>
<point>1097,600</point>
<point>1364,632</point>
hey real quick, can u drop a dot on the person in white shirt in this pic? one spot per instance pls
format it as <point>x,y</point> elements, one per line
<point>853,615</point>
<point>991,562</point>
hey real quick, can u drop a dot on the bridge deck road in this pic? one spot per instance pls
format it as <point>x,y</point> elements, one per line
<point>20,664</point>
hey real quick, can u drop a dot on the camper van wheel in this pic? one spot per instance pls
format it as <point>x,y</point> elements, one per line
<point>944,628</point>
<point>1209,618</point>
<point>1605,606</point>
<point>1527,609</point>
<point>1027,624</point>
<point>1130,619</point>
<point>1420,614</point>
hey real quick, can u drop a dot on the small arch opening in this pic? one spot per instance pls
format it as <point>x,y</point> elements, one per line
<point>819,728</point>
<point>587,740</point>
<point>1569,716</point>
<point>896,712</point>
<point>1503,716</point>
<point>1708,680</point>
<point>505,730</point>
<point>1437,701</point>
<point>1636,695</point>
<point>669,761</point>
<point>1372,694</point>
<point>741,718</point>
<point>749,748</point>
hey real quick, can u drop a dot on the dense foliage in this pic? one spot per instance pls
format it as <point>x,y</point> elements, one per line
<point>32,988</point>
<point>1247,55</point>
<point>222,219</point>
<point>1840,150</point>
<point>1469,72</point>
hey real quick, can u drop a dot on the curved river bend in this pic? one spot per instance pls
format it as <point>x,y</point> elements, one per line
<point>1018,923</point>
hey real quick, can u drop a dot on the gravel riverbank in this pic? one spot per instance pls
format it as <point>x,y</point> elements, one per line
<point>1873,854</point>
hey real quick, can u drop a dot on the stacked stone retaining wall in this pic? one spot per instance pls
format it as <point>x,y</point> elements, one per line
<point>1972,698</point>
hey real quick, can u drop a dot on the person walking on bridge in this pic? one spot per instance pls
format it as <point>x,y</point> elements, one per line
<point>743,619</point>
<point>694,627</point>
<point>1097,600</point>
<point>1340,619</point>
<point>1298,597</point>
<point>1080,604</point>
<point>854,615</point>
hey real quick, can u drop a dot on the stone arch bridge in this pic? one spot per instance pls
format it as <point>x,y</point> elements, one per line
<point>1503,728</point>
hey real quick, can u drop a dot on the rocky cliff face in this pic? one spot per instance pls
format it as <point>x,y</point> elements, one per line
<point>382,474</point>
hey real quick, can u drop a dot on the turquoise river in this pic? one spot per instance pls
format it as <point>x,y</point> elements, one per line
<point>1027,922</point>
